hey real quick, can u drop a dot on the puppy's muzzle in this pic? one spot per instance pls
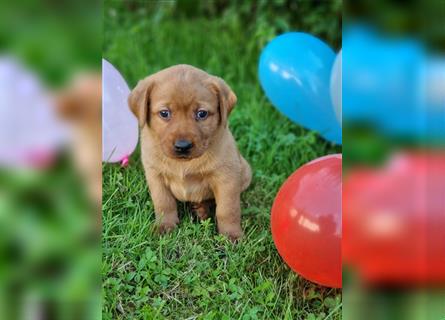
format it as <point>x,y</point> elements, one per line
<point>183,147</point>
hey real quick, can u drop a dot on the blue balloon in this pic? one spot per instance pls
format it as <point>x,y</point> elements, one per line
<point>387,82</point>
<point>380,81</point>
<point>295,70</point>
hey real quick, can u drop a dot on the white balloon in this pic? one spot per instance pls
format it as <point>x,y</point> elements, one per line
<point>30,132</point>
<point>119,125</point>
<point>336,94</point>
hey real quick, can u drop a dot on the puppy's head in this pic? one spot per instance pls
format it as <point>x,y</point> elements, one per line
<point>184,107</point>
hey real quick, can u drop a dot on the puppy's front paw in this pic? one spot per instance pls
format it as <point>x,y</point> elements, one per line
<point>167,225</point>
<point>233,232</point>
<point>164,228</point>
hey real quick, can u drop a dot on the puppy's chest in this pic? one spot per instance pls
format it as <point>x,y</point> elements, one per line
<point>194,188</point>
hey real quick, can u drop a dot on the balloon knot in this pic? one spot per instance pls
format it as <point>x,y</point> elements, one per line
<point>125,161</point>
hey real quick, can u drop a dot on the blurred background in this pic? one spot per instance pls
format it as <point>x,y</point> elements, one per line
<point>393,160</point>
<point>49,211</point>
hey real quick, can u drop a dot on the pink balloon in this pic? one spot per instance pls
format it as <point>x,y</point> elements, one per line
<point>30,132</point>
<point>119,125</point>
<point>335,87</point>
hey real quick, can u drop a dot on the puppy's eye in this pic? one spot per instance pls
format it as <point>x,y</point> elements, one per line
<point>201,114</point>
<point>165,114</point>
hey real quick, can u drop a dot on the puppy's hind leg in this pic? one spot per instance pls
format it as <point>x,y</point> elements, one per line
<point>203,209</point>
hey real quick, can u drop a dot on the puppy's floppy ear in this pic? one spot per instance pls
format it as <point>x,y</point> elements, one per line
<point>226,97</point>
<point>139,100</point>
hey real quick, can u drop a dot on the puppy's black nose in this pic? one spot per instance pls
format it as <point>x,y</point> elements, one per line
<point>183,146</point>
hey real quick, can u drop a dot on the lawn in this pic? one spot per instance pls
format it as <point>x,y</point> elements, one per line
<point>194,273</point>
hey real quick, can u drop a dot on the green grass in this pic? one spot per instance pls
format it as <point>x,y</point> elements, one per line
<point>193,273</point>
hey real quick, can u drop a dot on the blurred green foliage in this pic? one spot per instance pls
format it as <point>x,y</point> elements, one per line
<point>49,259</point>
<point>421,19</point>
<point>53,38</point>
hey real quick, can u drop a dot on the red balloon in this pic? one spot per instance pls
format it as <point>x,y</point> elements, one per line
<point>306,221</point>
<point>394,220</point>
